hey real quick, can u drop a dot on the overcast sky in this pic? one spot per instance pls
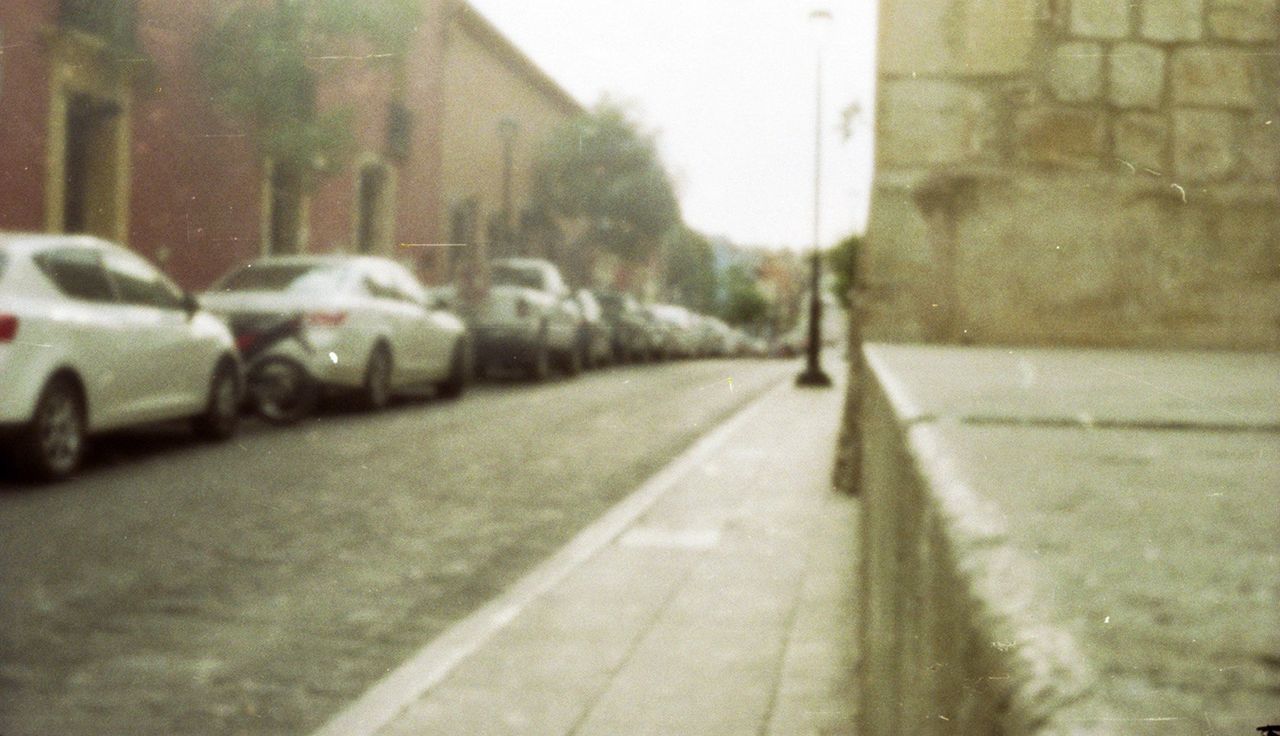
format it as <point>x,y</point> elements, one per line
<point>728,86</point>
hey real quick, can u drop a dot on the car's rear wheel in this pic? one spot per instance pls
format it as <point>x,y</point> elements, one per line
<point>221,416</point>
<point>376,393</point>
<point>52,445</point>
<point>571,359</point>
<point>460,368</point>
<point>539,368</point>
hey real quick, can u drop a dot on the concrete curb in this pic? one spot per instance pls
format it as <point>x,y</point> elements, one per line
<point>387,698</point>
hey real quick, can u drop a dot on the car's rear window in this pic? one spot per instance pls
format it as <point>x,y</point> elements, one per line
<point>530,278</point>
<point>77,272</point>
<point>291,277</point>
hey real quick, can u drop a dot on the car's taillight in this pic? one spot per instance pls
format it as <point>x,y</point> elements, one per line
<point>522,308</point>
<point>326,319</point>
<point>245,340</point>
<point>8,327</point>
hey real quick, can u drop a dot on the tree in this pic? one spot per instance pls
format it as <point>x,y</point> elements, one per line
<point>744,303</point>
<point>264,61</point>
<point>843,261</point>
<point>602,168</point>
<point>691,268</point>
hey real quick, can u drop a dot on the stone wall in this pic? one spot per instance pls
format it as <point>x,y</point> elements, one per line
<point>1087,172</point>
<point>1065,541</point>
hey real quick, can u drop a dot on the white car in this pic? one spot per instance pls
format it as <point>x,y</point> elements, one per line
<point>93,338</point>
<point>528,317</point>
<point>368,323</point>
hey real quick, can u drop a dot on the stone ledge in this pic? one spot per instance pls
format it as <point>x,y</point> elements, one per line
<point>996,552</point>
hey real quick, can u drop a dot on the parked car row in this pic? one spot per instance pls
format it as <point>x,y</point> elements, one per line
<point>94,338</point>
<point>530,320</point>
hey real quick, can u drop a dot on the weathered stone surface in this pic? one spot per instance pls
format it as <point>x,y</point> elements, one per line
<point>1137,75</point>
<point>1141,140</point>
<point>1244,20</point>
<point>1260,147</point>
<point>1218,76</point>
<point>1100,18</point>
<point>1056,135</point>
<point>974,37</point>
<point>1172,20</point>
<point>1204,144</point>
<point>1075,72</point>
<point>927,122</point>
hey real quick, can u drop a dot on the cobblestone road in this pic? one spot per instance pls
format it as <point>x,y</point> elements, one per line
<point>256,587</point>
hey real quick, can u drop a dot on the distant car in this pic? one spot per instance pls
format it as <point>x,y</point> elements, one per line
<point>369,323</point>
<point>595,336</point>
<point>528,319</point>
<point>630,331</point>
<point>93,338</point>
<point>680,334</point>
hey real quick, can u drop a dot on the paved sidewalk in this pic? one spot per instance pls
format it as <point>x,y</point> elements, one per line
<point>716,600</point>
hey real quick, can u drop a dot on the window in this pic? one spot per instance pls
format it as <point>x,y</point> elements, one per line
<point>114,21</point>
<point>408,286</point>
<point>301,278</point>
<point>140,284</point>
<point>77,272</point>
<point>509,275</point>
<point>379,284</point>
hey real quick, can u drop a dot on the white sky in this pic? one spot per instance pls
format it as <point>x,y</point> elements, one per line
<point>728,85</point>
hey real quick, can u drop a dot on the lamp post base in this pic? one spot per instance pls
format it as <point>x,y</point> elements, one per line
<point>813,377</point>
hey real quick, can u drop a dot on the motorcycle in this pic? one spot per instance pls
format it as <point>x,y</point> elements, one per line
<point>278,387</point>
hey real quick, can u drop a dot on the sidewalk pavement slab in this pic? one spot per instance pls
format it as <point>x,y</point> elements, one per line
<point>725,606</point>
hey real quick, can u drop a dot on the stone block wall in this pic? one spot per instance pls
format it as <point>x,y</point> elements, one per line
<point>1086,172</point>
<point>950,642</point>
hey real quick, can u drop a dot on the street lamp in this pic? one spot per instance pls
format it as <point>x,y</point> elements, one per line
<point>813,374</point>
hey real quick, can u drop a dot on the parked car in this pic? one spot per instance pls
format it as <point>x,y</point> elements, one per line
<point>630,331</point>
<point>595,335</point>
<point>93,338</point>
<point>527,319</point>
<point>679,331</point>
<point>368,325</point>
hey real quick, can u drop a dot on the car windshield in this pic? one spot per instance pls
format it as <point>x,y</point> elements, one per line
<point>291,277</point>
<point>508,275</point>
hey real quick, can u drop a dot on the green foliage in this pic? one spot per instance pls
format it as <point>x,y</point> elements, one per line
<point>843,262</point>
<point>601,168</point>
<point>264,60</point>
<point>744,303</point>
<point>691,268</point>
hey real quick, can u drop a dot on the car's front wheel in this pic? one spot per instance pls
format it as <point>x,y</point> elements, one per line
<point>376,393</point>
<point>52,445</point>
<point>221,415</point>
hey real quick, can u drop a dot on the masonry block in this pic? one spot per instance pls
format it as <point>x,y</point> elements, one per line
<point>1172,20</point>
<point>1100,18</point>
<point>1244,20</point>
<point>1075,72</point>
<point>927,122</point>
<point>971,37</point>
<point>1204,144</point>
<point>1260,150</point>
<point>1137,75</point>
<point>1217,76</point>
<point>1141,140</point>
<point>1058,135</point>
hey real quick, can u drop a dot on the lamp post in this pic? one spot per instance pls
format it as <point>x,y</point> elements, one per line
<point>813,375</point>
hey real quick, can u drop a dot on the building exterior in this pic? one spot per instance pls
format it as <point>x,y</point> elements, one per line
<point>107,126</point>
<point>1085,172</point>
<point>499,106</point>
